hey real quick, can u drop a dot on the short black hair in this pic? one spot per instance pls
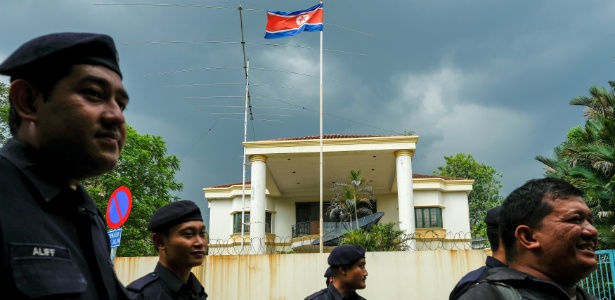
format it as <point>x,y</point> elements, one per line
<point>526,205</point>
<point>492,219</point>
<point>43,81</point>
<point>493,235</point>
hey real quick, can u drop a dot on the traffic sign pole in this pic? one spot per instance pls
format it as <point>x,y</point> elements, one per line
<point>118,210</point>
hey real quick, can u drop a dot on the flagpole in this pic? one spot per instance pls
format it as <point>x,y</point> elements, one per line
<point>321,183</point>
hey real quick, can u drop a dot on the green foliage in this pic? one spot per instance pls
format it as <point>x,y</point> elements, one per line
<point>149,173</point>
<point>353,198</point>
<point>485,190</point>
<point>587,157</point>
<point>606,237</point>
<point>4,113</point>
<point>381,237</point>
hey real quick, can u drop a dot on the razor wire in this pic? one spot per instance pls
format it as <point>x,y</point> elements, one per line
<point>423,241</point>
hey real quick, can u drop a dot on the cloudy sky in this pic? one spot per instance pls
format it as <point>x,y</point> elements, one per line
<point>489,78</point>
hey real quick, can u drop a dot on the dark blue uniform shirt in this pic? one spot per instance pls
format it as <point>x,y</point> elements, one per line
<point>473,277</point>
<point>162,284</point>
<point>53,241</point>
<point>331,293</point>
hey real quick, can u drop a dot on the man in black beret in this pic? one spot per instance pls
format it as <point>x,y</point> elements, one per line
<point>67,124</point>
<point>348,274</point>
<point>496,260</point>
<point>550,240</point>
<point>328,276</point>
<point>179,237</point>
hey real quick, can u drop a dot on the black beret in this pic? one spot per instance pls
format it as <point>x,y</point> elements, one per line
<point>493,217</point>
<point>62,48</point>
<point>174,213</point>
<point>345,255</point>
<point>328,272</point>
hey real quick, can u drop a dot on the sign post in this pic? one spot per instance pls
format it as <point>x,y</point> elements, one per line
<point>114,238</point>
<point>118,210</point>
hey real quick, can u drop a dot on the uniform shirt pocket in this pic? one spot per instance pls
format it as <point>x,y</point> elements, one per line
<point>44,270</point>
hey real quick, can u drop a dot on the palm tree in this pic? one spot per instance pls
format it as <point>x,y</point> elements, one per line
<point>599,103</point>
<point>353,197</point>
<point>587,158</point>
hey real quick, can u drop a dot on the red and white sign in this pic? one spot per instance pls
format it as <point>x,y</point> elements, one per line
<point>118,207</point>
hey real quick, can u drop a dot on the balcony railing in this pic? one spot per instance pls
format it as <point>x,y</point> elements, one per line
<point>313,227</point>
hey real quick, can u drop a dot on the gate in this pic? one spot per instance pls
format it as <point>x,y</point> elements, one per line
<point>600,282</point>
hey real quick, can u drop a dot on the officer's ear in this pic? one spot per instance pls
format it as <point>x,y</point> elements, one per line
<point>23,98</point>
<point>341,270</point>
<point>525,236</point>
<point>158,240</point>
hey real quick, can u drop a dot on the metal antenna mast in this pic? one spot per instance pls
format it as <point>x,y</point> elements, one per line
<point>246,66</point>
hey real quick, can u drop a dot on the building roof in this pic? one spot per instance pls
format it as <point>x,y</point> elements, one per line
<point>414,176</point>
<point>293,164</point>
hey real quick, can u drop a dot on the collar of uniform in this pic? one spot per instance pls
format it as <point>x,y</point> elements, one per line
<point>334,292</point>
<point>174,283</point>
<point>27,160</point>
<point>338,296</point>
<point>196,286</point>
<point>493,262</point>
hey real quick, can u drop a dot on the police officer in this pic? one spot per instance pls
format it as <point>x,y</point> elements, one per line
<point>496,260</point>
<point>348,274</point>
<point>180,240</point>
<point>328,276</point>
<point>67,124</point>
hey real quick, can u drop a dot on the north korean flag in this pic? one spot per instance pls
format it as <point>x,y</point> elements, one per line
<point>282,24</point>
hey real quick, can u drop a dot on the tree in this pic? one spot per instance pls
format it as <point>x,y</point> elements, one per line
<point>351,198</point>
<point>380,237</point>
<point>149,173</point>
<point>485,190</point>
<point>4,113</point>
<point>586,158</point>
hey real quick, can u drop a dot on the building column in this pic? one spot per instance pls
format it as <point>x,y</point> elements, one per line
<point>405,196</point>
<point>258,185</point>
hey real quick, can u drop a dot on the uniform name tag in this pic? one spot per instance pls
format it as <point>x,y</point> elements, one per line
<point>21,251</point>
<point>43,251</point>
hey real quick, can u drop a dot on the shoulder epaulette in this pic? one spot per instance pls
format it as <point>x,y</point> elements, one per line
<point>142,282</point>
<point>313,296</point>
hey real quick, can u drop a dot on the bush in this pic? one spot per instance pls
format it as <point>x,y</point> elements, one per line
<point>380,237</point>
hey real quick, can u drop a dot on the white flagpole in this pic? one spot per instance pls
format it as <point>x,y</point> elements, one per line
<point>321,184</point>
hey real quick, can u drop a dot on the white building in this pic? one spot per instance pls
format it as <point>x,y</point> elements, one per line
<point>282,198</point>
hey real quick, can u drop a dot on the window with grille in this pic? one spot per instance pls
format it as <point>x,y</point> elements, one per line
<point>428,217</point>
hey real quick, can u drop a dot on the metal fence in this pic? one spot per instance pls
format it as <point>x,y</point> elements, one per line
<point>313,227</point>
<point>600,282</point>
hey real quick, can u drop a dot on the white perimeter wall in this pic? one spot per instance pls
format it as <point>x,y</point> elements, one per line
<point>421,275</point>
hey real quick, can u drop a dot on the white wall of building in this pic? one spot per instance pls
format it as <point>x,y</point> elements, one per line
<point>456,213</point>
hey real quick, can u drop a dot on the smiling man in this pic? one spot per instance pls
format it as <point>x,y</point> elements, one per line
<point>550,243</point>
<point>180,240</point>
<point>67,124</point>
<point>347,274</point>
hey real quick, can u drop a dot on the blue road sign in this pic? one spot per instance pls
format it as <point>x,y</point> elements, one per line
<point>114,237</point>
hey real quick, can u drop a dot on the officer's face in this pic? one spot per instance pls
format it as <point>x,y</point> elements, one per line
<point>81,124</point>
<point>567,241</point>
<point>186,245</point>
<point>355,276</point>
